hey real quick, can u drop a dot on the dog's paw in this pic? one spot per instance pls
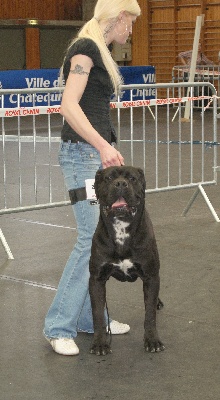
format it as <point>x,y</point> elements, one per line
<point>100,349</point>
<point>153,345</point>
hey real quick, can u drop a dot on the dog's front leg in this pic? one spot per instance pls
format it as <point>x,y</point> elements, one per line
<point>152,342</point>
<point>97,290</point>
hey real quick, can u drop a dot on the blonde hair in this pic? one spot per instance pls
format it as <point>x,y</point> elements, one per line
<point>106,10</point>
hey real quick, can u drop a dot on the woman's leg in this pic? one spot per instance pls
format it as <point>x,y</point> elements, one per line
<point>78,162</point>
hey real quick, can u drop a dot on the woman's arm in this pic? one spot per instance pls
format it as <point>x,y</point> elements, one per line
<point>206,60</point>
<point>74,115</point>
<point>182,58</point>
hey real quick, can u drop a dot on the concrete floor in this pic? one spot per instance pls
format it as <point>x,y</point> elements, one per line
<point>189,324</point>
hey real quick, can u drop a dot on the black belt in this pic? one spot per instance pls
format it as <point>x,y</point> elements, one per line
<point>80,195</point>
<point>77,195</point>
<point>69,140</point>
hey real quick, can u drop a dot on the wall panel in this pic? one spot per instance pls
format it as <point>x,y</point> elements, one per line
<point>185,26</point>
<point>45,10</point>
<point>162,38</point>
<point>12,46</point>
<point>212,30</point>
<point>36,51</point>
<point>53,44</point>
<point>174,22</point>
<point>140,37</point>
<point>32,48</point>
<point>164,28</point>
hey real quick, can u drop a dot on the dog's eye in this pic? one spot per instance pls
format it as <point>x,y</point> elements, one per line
<point>132,178</point>
<point>108,178</point>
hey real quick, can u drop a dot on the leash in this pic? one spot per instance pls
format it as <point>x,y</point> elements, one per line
<point>109,332</point>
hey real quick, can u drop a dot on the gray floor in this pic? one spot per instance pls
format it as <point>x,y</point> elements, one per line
<point>189,324</point>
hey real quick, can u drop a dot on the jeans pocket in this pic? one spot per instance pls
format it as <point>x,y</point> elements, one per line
<point>63,153</point>
<point>89,154</point>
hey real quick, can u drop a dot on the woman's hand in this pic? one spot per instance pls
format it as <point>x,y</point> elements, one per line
<point>111,157</point>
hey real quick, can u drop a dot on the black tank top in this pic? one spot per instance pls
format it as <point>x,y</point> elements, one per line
<point>95,101</point>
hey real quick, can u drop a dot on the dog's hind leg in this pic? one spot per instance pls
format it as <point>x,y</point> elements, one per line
<point>97,289</point>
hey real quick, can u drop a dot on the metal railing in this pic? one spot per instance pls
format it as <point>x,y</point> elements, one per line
<point>152,134</point>
<point>204,74</point>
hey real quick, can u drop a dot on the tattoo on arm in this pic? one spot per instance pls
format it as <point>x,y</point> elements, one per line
<point>78,70</point>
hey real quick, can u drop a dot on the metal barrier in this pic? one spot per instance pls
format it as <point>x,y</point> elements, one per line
<point>203,73</point>
<point>151,135</point>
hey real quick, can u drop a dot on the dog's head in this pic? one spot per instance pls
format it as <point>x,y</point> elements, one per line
<point>120,190</point>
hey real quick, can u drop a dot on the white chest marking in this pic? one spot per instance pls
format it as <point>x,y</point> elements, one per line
<point>124,265</point>
<point>120,231</point>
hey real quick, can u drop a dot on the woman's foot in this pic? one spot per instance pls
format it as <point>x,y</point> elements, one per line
<point>117,328</point>
<point>64,346</point>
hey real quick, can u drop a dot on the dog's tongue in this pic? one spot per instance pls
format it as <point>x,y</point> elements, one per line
<point>119,203</point>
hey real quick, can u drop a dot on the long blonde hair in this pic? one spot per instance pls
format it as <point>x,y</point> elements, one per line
<point>106,10</point>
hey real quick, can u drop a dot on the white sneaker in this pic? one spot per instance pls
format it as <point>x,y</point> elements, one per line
<point>64,346</point>
<point>117,328</point>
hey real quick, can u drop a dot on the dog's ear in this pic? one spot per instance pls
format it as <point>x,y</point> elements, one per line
<point>98,178</point>
<point>142,177</point>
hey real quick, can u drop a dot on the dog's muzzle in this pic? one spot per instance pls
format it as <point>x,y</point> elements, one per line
<point>122,210</point>
<point>119,189</point>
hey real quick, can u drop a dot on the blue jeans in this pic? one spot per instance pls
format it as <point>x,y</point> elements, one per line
<point>70,310</point>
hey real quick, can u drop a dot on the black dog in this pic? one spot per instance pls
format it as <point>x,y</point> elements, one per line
<point>124,246</point>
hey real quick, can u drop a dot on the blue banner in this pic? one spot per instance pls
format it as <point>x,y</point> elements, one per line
<point>48,78</point>
<point>139,75</point>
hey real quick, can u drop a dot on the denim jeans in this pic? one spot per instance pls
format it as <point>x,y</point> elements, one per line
<point>70,310</point>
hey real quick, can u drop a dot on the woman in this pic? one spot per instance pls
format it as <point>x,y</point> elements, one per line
<point>91,77</point>
<point>186,56</point>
